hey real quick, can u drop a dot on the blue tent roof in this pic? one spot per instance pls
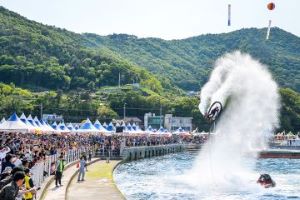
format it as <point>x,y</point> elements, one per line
<point>180,129</point>
<point>149,128</point>
<point>88,126</point>
<point>23,118</point>
<point>37,121</point>
<point>104,125</point>
<point>70,127</point>
<point>54,125</point>
<point>13,124</point>
<point>14,117</point>
<point>110,127</point>
<point>134,126</point>
<point>31,121</point>
<point>161,129</point>
<point>63,127</point>
<point>97,124</point>
<point>129,127</point>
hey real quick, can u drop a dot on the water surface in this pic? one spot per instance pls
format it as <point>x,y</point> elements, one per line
<point>164,178</point>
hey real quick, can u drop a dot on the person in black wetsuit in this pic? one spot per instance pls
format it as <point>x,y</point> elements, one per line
<point>266,181</point>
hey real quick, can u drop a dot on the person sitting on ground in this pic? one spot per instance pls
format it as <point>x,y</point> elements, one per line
<point>10,191</point>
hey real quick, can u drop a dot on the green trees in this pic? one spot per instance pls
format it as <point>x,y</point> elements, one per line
<point>76,75</point>
<point>187,62</point>
<point>107,104</point>
<point>43,57</point>
<point>105,112</point>
<point>290,111</point>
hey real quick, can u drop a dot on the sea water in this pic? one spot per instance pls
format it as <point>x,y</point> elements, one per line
<point>168,177</point>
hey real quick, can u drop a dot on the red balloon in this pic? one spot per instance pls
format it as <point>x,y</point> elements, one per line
<point>271,6</point>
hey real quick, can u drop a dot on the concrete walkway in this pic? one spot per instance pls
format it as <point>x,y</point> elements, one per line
<point>59,193</point>
<point>98,184</point>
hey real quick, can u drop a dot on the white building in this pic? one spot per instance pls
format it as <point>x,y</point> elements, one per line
<point>173,123</point>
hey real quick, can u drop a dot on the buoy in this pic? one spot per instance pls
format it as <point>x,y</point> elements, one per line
<point>271,6</point>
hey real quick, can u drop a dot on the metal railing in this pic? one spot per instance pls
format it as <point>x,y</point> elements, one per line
<point>40,171</point>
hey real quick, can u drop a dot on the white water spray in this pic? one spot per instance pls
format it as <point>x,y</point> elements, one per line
<point>251,105</point>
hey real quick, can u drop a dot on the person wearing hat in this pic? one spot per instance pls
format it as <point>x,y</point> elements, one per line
<point>10,191</point>
<point>28,185</point>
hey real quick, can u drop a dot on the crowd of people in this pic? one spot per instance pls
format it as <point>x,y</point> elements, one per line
<point>25,156</point>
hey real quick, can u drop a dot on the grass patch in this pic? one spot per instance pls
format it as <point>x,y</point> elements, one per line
<point>101,170</point>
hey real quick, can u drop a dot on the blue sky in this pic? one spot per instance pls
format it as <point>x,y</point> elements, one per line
<point>168,19</point>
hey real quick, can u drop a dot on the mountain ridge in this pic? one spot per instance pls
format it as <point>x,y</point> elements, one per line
<point>195,56</point>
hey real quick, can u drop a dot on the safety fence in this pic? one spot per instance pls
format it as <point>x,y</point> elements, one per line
<point>41,170</point>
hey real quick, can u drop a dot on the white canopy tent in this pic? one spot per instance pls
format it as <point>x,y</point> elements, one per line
<point>63,128</point>
<point>2,120</point>
<point>14,124</point>
<point>87,127</point>
<point>101,129</point>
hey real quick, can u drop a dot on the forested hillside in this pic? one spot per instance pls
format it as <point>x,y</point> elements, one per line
<point>77,75</point>
<point>37,56</point>
<point>188,62</point>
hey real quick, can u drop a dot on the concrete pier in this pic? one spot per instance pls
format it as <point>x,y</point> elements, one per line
<point>136,153</point>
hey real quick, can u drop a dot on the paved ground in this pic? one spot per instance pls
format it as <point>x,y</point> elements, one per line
<point>98,184</point>
<point>58,193</point>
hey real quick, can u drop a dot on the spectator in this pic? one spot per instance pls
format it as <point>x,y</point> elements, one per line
<point>10,191</point>
<point>7,162</point>
<point>90,156</point>
<point>60,165</point>
<point>28,185</point>
<point>82,166</point>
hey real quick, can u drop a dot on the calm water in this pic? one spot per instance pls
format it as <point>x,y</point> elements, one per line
<point>164,178</point>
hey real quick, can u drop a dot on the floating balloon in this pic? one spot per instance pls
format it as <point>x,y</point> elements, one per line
<point>271,6</point>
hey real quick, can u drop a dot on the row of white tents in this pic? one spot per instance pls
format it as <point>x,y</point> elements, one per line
<point>34,125</point>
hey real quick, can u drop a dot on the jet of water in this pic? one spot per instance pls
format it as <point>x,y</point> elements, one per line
<point>251,106</point>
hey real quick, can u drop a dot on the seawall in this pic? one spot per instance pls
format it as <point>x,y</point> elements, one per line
<point>140,152</point>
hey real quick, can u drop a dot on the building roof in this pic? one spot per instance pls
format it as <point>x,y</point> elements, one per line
<point>132,119</point>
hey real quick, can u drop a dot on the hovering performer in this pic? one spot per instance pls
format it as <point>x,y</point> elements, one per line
<point>266,181</point>
<point>213,111</point>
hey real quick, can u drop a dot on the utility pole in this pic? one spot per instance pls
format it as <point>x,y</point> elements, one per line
<point>119,79</point>
<point>160,113</point>
<point>124,112</point>
<point>41,110</point>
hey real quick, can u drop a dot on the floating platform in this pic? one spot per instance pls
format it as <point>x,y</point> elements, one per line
<point>280,153</point>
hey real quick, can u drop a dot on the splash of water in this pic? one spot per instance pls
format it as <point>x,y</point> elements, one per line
<point>251,100</point>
